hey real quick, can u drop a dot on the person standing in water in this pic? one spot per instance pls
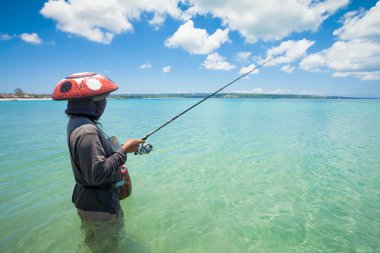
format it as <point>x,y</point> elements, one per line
<point>96,159</point>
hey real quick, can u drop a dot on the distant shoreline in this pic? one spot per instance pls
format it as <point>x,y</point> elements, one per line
<point>227,95</point>
<point>23,99</point>
<point>11,97</point>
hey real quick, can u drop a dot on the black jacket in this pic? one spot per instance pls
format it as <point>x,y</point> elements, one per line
<point>96,165</point>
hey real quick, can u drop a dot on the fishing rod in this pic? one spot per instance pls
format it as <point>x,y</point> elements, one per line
<point>146,147</point>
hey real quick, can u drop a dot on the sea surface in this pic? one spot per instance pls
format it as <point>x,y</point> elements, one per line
<point>231,175</point>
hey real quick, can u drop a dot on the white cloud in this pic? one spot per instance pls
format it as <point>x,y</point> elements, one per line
<point>354,55</point>
<point>32,38</point>
<point>99,21</point>
<point>244,70</point>
<point>346,59</point>
<point>166,69</point>
<point>357,54</point>
<point>157,21</point>
<point>310,93</point>
<point>263,91</point>
<point>195,40</point>
<point>243,56</point>
<point>369,75</point>
<point>217,62</point>
<point>287,52</point>
<point>270,19</point>
<point>278,92</point>
<point>5,37</point>
<point>253,91</point>
<point>313,62</point>
<point>361,25</point>
<point>146,65</point>
<point>287,68</point>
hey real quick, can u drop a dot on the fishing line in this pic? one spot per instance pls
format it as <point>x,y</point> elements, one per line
<point>146,148</point>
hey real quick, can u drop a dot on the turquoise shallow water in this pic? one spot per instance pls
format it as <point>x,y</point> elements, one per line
<point>232,175</point>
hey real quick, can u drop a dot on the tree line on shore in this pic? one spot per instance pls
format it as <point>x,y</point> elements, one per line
<point>19,93</point>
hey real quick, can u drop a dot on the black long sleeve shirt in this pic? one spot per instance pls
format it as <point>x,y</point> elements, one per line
<point>96,164</point>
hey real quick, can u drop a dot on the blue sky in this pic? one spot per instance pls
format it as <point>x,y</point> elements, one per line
<point>167,46</point>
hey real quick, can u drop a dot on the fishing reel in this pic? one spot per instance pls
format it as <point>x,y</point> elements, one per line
<point>144,149</point>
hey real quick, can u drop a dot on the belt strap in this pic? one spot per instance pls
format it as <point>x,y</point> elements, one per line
<point>107,186</point>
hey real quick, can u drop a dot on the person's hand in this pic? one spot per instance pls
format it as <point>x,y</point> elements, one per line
<point>132,145</point>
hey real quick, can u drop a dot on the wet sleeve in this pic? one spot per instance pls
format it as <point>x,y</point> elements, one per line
<point>98,169</point>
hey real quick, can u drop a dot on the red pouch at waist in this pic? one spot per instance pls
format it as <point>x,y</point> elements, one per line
<point>126,189</point>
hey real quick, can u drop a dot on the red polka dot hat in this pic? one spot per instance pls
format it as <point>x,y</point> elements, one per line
<point>83,85</point>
